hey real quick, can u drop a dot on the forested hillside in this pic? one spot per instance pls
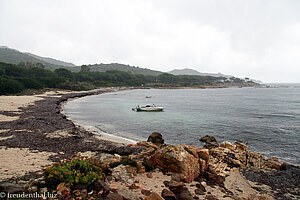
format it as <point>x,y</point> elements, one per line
<point>17,78</point>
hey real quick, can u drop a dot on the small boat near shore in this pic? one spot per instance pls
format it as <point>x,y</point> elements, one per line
<point>148,108</point>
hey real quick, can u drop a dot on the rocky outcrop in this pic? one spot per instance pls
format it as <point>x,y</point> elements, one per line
<point>182,164</point>
<point>176,159</point>
<point>210,141</point>
<point>200,153</point>
<point>229,155</point>
<point>156,138</point>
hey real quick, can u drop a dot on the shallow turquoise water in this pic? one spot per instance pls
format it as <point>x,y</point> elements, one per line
<point>267,118</point>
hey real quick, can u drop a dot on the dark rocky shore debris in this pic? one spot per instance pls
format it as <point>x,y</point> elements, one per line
<point>149,170</point>
<point>36,127</point>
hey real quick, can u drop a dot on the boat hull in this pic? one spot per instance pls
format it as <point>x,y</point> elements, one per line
<point>150,109</point>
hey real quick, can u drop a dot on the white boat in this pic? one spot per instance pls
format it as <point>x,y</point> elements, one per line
<point>148,108</point>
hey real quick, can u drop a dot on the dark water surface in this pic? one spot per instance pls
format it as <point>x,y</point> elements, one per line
<point>267,118</point>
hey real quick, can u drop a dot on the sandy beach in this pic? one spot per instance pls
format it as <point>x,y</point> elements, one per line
<point>20,155</point>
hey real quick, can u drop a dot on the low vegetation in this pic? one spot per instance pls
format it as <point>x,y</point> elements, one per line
<point>77,171</point>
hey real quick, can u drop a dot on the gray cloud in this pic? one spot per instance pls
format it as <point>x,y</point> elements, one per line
<point>260,39</point>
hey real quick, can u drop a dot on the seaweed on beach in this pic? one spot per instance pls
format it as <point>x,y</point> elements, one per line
<point>36,121</point>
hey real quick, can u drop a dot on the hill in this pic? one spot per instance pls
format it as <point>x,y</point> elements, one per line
<point>125,68</point>
<point>8,55</point>
<point>13,56</point>
<point>52,61</point>
<point>188,71</point>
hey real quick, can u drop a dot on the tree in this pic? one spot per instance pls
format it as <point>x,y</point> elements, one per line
<point>10,86</point>
<point>61,72</point>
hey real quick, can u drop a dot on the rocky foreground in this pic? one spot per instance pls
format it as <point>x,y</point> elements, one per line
<point>153,170</point>
<point>149,170</point>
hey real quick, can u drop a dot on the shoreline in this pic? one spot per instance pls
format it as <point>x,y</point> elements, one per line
<point>40,134</point>
<point>122,139</point>
<point>99,134</point>
<point>34,128</point>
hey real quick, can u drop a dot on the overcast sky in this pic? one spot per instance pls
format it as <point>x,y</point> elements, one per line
<point>254,38</point>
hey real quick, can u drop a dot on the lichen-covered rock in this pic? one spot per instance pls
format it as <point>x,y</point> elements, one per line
<point>229,155</point>
<point>176,159</point>
<point>201,153</point>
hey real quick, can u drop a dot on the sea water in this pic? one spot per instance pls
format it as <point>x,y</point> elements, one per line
<point>268,119</point>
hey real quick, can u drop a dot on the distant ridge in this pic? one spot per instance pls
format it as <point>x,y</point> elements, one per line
<point>14,56</point>
<point>188,71</point>
<point>8,55</point>
<point>126,68</point>
<point>52,61</point>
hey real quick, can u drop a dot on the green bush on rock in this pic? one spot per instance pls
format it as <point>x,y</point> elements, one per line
<point>77,171</point>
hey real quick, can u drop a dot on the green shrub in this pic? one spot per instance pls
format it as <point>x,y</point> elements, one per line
<point>76,171</point>
<point>30,83</point>
<point>10,86</point>
<point>125,160</point>
<point>61,72</point>
<point>69,85</point>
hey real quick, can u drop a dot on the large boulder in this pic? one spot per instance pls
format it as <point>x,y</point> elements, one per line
<point>201,153</point>
<point>176,159</point>
<point>156,138</point>
<point>210,141</point>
